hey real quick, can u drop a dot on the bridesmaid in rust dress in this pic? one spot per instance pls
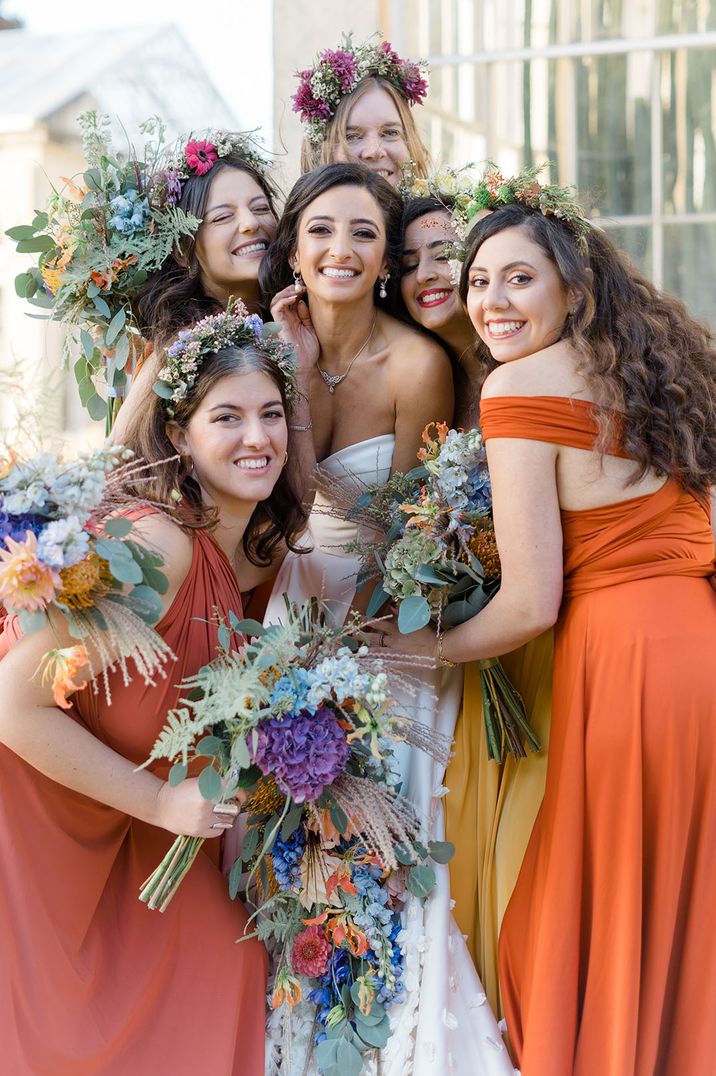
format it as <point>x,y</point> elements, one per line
<point>92,983</point>
<point>599,412</point>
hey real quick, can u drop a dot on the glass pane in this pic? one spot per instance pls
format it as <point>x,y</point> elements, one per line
<point>634,240</point>
<point>691,17</point>
<point>689,259</point>
<point>688,103</point>
<point>613,131</point>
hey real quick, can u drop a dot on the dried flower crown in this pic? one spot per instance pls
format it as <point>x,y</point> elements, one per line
<point>234,327</point>
<point>494,190</point>
<point>336,73</point>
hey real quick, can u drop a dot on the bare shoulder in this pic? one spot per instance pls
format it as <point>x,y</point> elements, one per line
<point>173,544</point>
<point>406,342</point>
<point>551,372</point>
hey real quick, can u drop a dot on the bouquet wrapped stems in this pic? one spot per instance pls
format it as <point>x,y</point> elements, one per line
<point>163,882</point>
<point>506,724</point>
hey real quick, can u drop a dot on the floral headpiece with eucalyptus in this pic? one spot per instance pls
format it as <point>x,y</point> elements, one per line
<point>494,190</point>
<point>234,327</point>
<point>336,73</point>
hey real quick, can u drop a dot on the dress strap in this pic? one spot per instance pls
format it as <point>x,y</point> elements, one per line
<point>561,420</point>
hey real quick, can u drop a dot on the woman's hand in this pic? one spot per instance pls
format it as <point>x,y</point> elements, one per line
<point>289,309</point>
<point>422,643</point>
<point>182,809</point>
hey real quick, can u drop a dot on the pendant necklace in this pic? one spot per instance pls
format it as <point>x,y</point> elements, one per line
<point>335,379</point>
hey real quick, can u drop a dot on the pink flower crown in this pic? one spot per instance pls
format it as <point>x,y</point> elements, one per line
<point>337,72</point>
<point>198,156</point>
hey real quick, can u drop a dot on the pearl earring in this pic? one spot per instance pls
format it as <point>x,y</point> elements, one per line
<point>297,280</point>
<point>383,291</point>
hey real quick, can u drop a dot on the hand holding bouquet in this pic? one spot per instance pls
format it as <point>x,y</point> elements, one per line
<point>301,718</point>
<point>438,560</point>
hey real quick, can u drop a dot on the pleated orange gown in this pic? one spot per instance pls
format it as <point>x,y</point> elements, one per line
<point>607,953</point>
<point>92,983</point>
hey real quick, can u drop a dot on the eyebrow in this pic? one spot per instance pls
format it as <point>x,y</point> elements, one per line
<point>510,265</point>
<point>427,246</point>
<point>236,407</point>
<point>229,205</point>
<point>355,220</point>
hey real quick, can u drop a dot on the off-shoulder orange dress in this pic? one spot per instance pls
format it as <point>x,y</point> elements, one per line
<point>92,983</point>
<point>607,959</point>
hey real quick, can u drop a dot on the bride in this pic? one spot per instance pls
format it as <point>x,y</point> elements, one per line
<point>375,383</point>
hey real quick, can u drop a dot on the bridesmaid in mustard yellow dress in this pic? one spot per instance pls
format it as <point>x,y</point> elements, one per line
<point>490,809</point>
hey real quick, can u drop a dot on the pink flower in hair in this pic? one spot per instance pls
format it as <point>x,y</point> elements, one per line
<point>200,156</point>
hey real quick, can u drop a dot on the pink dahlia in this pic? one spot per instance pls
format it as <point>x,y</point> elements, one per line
<point>306,104</point>
<point>343,65</point>
<point>414,85</point>
<point>310,953</point>
<point>200,156</point>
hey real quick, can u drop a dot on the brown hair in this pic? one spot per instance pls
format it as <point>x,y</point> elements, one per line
<point>313,155</point>
<point>276,273</point>
<point>280,518</point>
<point>640,349</point>
<point>173,297</point>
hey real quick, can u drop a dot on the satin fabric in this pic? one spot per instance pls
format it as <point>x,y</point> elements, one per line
<point>490,809</point>
<point>92,983</point>
<point>606,961</point>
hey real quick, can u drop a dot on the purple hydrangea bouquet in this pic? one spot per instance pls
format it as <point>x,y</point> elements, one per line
<point>299,715</point>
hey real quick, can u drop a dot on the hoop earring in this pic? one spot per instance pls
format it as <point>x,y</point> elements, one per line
<point>285,458</point>
<point>383,291</point>
<point>297,280</point>
<point>188,462</point>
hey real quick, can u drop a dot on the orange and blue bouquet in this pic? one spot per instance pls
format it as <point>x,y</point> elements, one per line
<point>103,233</point>
<point>65,551</point>
<point>438,560</point>
<point>299,715</point>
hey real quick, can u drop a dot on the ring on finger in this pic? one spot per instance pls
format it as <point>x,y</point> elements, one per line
<point>223,825</point>
<point>228,808</point>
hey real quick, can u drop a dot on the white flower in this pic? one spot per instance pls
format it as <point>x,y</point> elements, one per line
<point>63,543</point>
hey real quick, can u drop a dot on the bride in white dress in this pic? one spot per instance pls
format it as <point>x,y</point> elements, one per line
<point>376,383</point>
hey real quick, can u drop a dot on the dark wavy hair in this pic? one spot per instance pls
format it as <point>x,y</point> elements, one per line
<point>647,359</point>
<point>280,518</point>
<point>173,296</point>
<point>276,273</point>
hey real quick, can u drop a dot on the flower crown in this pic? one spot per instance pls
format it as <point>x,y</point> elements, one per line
<point>198,156</point>
<point>494,190</point>
<point>337,72</point>
<point>444,185</point>
<point>234,327</point>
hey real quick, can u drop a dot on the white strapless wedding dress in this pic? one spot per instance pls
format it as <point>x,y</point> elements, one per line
<point>445,1026</point>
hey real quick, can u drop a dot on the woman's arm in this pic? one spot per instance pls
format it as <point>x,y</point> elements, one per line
<point>289,309</point>
<point>58,746</point>
<point>423,392</point>
<point>139,393</point>
<point>529,539</point>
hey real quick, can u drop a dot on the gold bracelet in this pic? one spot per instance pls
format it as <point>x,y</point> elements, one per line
<point>445,662</point>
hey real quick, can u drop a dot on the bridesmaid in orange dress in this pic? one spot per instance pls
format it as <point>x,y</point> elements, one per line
<point>599,412</point>
<point>92,983</point>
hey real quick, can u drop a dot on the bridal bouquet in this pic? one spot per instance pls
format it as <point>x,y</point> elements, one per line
<point>438,560</point>
<point>301,717</point>
<point>65,551</point>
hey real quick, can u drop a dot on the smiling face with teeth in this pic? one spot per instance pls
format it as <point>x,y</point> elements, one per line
<point>516,298</point>
<point>341,245</point>
<point>426,282</point>
<point>236,438</point>
<point>237,228</point>
<point>374,135</point>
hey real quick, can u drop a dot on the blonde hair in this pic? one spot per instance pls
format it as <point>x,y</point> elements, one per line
<point>312,155</point>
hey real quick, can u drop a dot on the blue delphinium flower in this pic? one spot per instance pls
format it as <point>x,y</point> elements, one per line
<point>286,856</point>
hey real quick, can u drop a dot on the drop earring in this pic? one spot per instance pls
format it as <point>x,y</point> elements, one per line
<point>297,280</point>
<point>383,291</point>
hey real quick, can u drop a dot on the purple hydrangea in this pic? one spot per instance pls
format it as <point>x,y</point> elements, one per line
<point>304,752</point>
<point>254,322</point>
<point>16,527</point>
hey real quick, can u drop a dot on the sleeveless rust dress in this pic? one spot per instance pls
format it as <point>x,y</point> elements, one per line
<point>92,983</point>
<point>607,956</point>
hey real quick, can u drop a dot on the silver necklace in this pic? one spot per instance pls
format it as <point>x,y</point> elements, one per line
<point>335,379</point>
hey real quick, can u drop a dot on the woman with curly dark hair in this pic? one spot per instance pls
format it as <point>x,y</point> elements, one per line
<point>599,412</point>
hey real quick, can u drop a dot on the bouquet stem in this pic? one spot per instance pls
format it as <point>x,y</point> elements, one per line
<point>162,883</point>
<point>506,724</point>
